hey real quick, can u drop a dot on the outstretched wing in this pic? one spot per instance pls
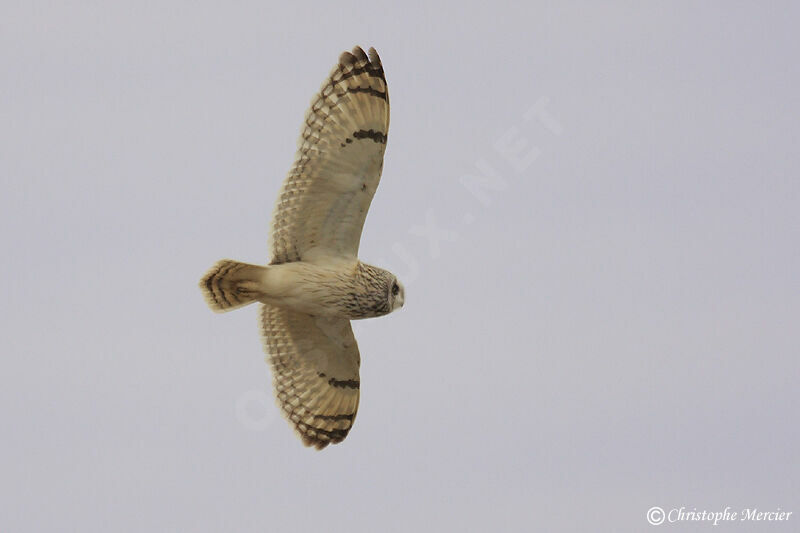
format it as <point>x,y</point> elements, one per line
<point>314,372</point>
<point>324,199</point>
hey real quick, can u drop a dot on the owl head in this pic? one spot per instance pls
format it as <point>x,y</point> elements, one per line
<point>397,294</point>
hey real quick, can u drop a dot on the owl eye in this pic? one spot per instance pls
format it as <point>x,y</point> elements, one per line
<point>395,289</point>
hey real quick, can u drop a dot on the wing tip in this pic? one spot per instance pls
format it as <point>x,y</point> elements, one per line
<point>310,442</point>
<point>358,57</point>
<point>311,436</point>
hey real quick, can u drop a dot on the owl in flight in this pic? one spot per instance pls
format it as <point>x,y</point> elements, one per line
<point>314,284</point>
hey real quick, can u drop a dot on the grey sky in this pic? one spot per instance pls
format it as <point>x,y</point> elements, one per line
<point>611,326</point>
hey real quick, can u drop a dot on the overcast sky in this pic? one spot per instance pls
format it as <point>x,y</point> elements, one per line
<point>594,210</point>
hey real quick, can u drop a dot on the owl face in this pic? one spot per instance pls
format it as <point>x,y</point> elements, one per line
<point>397,295</point>
<point>375,292</point>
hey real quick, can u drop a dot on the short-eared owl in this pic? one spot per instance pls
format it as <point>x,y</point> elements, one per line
<point>314,284</point>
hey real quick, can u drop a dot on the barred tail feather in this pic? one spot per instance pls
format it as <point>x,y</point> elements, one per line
<point>230,285</point>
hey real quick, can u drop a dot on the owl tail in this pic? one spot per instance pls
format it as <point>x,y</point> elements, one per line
<point>230,285</point>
